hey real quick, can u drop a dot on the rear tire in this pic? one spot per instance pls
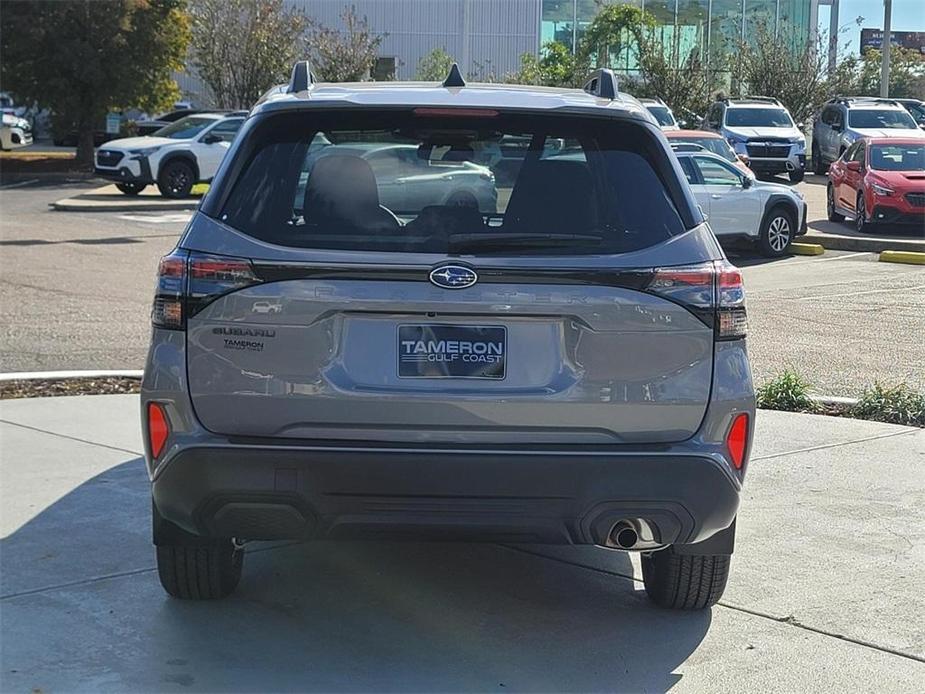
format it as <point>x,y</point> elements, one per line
<point>176,179</point>
<point>685,582</point>
<point>204,572</point>
<point>832,214</point>
<point>778,229</point>
<point>131,188</point>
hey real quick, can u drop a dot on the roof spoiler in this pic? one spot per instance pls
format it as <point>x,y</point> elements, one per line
<point>602,84</point>
<point>302,78</point>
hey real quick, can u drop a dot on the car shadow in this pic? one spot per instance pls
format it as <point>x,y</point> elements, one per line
<point>78,582</point>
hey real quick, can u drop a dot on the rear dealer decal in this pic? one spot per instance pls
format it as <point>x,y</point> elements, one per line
<point>451,351</point>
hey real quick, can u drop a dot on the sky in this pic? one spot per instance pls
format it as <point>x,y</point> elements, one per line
<point>908,15</point>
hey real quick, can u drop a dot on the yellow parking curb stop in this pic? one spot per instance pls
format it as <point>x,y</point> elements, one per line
<point>910,257</point>
<point>806,249</point>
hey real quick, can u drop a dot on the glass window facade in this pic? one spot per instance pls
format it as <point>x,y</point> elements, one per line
<point>702,28</point>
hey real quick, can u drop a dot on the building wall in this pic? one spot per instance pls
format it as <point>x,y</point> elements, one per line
<point>486,37</point>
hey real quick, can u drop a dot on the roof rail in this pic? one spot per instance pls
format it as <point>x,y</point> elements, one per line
<point>603,84</point>
<point>454,78</point>
<point>755,99</point>
<point>863,99</point>
<point>302,78</point>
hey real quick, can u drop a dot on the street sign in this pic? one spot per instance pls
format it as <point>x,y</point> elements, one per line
<point>113,123</point>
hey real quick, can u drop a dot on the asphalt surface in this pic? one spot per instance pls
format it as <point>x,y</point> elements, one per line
<point>824,595</point>
<point>75,293</point>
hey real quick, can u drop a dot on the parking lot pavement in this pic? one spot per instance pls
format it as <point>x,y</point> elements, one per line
<point>824,595</point>
<point>842,320</point>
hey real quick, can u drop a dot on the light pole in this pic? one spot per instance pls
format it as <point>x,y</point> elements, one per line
<point>885,50</point>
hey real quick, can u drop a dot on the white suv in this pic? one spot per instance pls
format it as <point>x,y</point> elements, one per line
<point>770,215</point>
<point>176,157</point>
<point>762,129</point>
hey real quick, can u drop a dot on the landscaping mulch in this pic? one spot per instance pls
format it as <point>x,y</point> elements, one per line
<point>10,390</point>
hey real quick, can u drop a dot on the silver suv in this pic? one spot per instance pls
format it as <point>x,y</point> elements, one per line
<point>844,120</point>
<point>566,367</point>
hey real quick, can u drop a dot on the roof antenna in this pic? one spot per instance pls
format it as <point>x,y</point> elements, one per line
<point>455,78</point>
<point>302,78</point>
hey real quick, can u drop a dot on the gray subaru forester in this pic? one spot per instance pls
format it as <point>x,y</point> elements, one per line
<point>562,360</point>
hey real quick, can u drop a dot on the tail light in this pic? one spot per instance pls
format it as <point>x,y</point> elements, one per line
<point>187,282</point>
<point>158,428</point>
<point>737,440</point>
<point>713,291</point>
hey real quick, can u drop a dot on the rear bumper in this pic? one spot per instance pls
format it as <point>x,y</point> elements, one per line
<point>270,491</point>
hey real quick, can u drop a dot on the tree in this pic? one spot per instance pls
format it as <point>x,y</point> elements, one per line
<point>615,31</point>
<point>556,67</point>
<point>799,78</point>
<point>907,73</point>
<point>686,88</point>
<point>241,48</point>
<point>346,56</point>
<point>434,66</point>
<point>85,58</point>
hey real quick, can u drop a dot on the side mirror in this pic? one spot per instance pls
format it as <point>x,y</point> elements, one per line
<point>746,182</point>
<point>853,165</point>
<point>211,139</point>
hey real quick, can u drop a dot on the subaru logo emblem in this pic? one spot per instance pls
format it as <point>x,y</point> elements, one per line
<point>453,277</point>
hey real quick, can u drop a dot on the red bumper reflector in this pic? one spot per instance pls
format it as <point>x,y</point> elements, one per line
<point>158,428</point>
<point>737,440</point>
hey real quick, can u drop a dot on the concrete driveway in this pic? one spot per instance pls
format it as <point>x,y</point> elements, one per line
<point>825,593</point>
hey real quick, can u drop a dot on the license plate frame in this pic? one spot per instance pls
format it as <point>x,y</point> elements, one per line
<point>456,351</point>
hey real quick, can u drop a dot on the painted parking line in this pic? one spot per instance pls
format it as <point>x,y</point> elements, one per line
<point>19,184</point>
<point>168,218</point>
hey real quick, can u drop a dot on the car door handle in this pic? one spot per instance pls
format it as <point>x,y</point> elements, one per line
<point>716,196</point>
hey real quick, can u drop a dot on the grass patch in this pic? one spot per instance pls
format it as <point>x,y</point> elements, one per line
<point>788,392</point>
<point>894,404</point>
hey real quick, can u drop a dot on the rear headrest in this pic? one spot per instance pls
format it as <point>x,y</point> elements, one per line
<point>342,188</point>
<point>552,197</point>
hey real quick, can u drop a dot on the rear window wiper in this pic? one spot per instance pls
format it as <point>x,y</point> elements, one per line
<point>481,241</point>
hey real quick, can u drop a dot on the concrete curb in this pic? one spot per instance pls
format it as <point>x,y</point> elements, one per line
<point>867,244</point>
<point>806,249</point>
<point>60,375</point>
<point>109,199</point>
<point>907,257</point>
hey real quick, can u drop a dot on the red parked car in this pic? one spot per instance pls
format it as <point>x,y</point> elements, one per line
<point>879,181</point>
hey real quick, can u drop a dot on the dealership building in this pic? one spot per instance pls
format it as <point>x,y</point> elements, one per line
<point>488,37</point>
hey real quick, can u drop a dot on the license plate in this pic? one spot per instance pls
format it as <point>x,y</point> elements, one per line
<point>451,351</point>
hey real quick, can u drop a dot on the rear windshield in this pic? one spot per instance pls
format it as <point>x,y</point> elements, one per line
<point>481,183</point>
<point>662,115</point>
<point>876,118</point>
<point>715,145</point>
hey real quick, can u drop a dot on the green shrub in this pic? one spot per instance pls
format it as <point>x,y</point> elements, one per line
<point>897,404</point>
<point>787,391</point>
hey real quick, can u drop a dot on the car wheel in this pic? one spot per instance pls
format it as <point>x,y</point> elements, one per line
<point>684,582</point>
<point>176,179</point>
<point>203,572</point>
<point>796,175</point>
<point>131,188</point>
<point>830,205</point>
<point>819,167</point>
<point>861,223</point>
<point>776,234</point>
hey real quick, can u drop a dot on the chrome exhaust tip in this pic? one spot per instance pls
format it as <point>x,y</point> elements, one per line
<point>632,534</point>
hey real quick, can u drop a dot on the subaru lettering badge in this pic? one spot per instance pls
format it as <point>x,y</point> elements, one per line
<point>453,277</point>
